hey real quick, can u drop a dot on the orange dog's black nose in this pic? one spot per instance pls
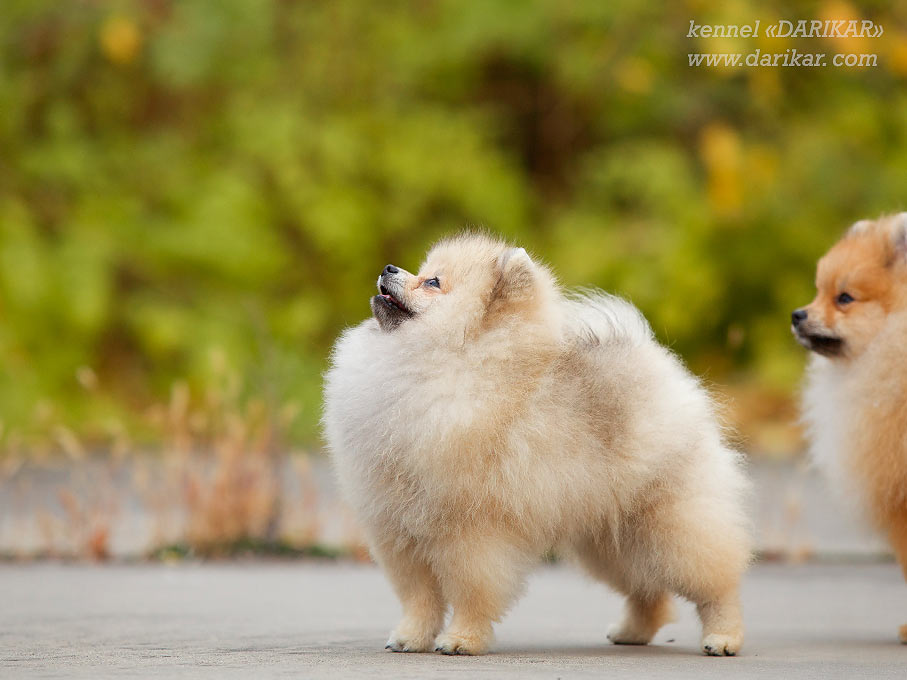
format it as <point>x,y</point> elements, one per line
<point>390,269</point>
<point>797,316</point>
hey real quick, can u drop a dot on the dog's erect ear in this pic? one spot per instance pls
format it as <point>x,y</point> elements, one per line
<point>859,227</point>
<point>517,275</point>
<point>899,235</point>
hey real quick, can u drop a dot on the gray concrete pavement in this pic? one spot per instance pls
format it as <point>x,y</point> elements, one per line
<point>306,620</point>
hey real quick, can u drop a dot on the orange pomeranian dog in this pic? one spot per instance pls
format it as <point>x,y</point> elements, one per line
<point>855,401</point>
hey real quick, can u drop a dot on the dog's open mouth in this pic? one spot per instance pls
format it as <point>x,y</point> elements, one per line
<point>826,345</point>
<point>389,310</point>
<point>388,299</point>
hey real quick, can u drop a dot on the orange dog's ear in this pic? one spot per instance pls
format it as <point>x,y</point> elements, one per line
<point>859,227</point>
<point>899,235</point>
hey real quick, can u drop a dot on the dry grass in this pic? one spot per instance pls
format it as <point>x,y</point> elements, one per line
<point>223,483</point>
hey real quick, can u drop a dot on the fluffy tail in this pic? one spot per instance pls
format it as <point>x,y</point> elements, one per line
<point>598,318</point>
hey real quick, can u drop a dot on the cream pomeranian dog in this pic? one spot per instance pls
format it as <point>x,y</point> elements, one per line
<point>483,417</point>
<point>855,400</point>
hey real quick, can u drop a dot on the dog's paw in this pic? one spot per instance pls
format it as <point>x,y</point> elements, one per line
<point>718,644</point>
<point>404,639</point>
<point>624,634</point>
<point>902,634</point>
<point>461,643</point>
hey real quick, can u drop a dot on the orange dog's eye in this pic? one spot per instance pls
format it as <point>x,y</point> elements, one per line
<point>433,282</point>
<point>844,299</point>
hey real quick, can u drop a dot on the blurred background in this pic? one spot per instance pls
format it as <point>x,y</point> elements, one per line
<point>196,197</point>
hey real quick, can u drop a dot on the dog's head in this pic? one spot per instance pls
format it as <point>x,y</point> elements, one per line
<point>467,281</point>
<point>859,282</point>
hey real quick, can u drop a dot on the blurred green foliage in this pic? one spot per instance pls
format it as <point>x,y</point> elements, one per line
<point>186,185</point>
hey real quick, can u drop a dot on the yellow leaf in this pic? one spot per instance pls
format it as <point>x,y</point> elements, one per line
<point>120,40</point>
<point>897,57</point>
<point>720,151</point>
<point>635,75</point>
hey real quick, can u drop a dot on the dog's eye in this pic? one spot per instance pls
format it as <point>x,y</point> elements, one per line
<point>844,299</point>
<point>433,282</point>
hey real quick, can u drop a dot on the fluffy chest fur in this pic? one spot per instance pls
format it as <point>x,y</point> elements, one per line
<point>419,434</point>
<point>856,417</point>
<point>827,417</point>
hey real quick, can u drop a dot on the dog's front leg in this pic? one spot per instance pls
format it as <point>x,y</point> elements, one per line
<point>480,577</point>
<point>419,593</point>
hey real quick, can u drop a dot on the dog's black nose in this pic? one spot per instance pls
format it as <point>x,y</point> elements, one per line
<point>390,269</point>
<point>797,316</point>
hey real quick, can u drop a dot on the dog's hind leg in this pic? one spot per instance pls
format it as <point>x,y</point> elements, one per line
<point>697,546</point>
<point>420,594</point>
<point>722,623</point>
<point>704,563</point>
<point>646,609</point>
